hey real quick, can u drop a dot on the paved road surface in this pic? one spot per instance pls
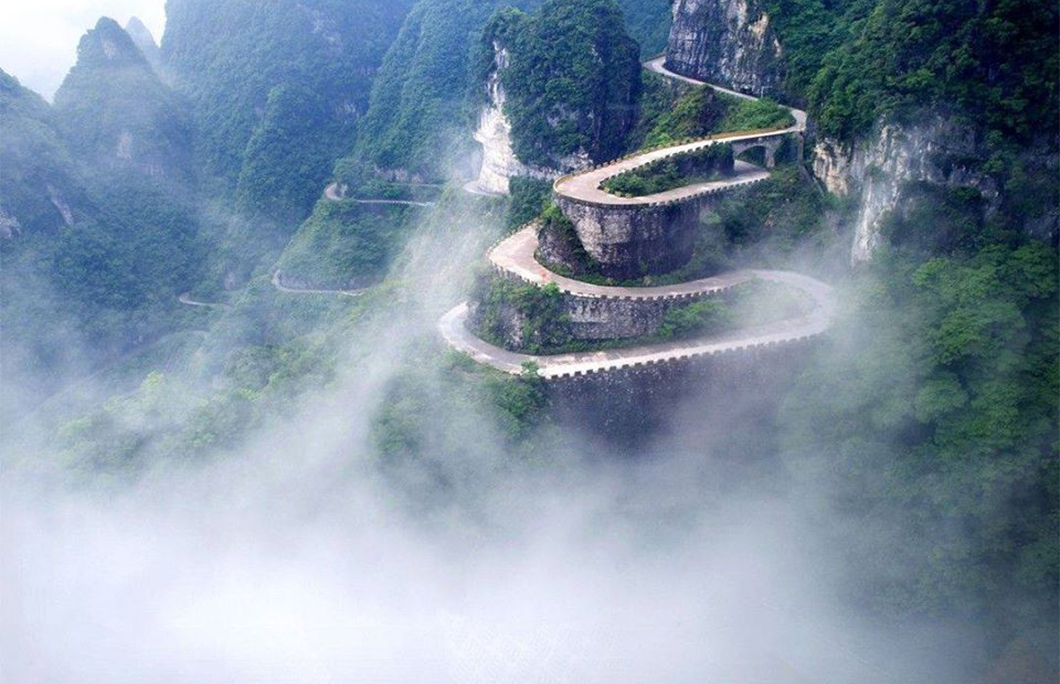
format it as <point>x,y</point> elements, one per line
<point>454,330</point>
<point>515,255</point>
<point>585,186</point>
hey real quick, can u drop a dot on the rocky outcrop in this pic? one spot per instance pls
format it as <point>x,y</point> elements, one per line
<point>611,318</point>
<point>730,42</point>
<point>9,226</point>
<point>632,241</point>
<point>494,133</point>
<point>880,167</point>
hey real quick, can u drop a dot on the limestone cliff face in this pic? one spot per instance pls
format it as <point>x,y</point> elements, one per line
<point>879,167</point>
<point>628,242</point>
<point>730,42</point>
<point>494,133</point>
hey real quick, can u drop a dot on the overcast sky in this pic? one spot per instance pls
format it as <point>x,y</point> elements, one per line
<point>38,38</point>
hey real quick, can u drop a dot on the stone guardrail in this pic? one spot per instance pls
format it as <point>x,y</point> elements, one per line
<point>689,357</point>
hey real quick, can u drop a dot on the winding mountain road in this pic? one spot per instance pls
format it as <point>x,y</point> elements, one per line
<point>584,186</point>
<point>332,193</point>
<point>515,257</point>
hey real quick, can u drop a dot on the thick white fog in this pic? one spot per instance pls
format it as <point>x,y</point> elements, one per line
<point>38,38</point>
<point>294,560</point>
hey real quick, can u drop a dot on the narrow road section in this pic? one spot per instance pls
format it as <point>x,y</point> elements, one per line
<point>658,65</point>
<point>186,300</point>
<point>277,282</point>
<point>332,193</point>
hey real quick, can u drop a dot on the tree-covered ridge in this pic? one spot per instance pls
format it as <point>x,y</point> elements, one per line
<point>115,112</point>
<point>141,35</point>
<point>229,57</point>
<point>995,63</point>
<point>572,79</point>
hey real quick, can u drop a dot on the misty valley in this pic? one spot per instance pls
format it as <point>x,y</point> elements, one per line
<point>552,341</point>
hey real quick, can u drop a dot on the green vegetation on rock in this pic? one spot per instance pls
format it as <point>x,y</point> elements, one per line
<point>707,164</point>
<point>347,244</point>
<point>572,79</point>
<point>669,115</point>
<point>521,317</point>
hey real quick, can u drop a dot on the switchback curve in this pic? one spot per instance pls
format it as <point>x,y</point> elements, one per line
<point>454,330</point>
<point>515,257</point>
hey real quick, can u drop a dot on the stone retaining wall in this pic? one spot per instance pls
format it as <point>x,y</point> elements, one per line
<point>627,404</point>
<point>631,241</point>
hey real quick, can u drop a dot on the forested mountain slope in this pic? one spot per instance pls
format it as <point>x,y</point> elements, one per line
<point>919,440</point>
<point>277,88</point>
<point>100,234</point>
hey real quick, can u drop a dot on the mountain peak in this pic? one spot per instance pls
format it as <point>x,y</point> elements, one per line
<point>144,39</point>
<point>108,45</point>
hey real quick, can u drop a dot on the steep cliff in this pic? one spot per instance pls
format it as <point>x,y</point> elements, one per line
<point>882,168</point>
<point>570,80</point>
<point>494,133</point>
<point>626,241</point>
<point>730,42</point>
